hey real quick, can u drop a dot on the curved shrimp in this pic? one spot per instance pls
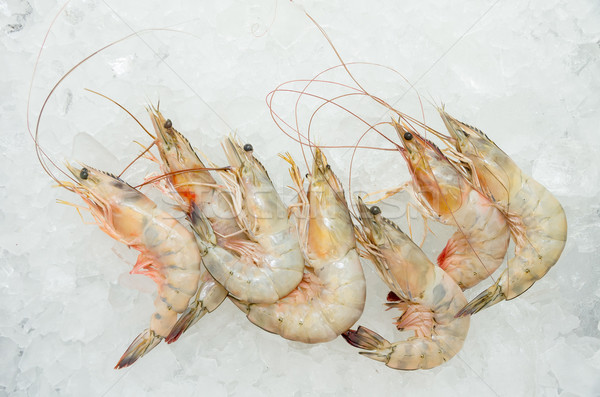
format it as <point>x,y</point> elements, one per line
<point>428,297</point>
<point>538,221</point>
<point>199,188</point>
<point>331,296</point>
<point>168,252</point>
<point>271,264</point>
<point>479,245</point>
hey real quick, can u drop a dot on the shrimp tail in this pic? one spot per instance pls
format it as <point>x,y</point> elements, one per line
<point>487,298</point>
<point>364,338</point>
<point>188,318</point>
<point>210,296</point>
<point>141,345</point>
<point>205,236</point>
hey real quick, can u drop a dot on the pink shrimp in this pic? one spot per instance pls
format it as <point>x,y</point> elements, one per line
<point>168,252</point>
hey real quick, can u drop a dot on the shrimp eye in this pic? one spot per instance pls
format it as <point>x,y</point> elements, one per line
<point>328,166</point>
<point>375,210</point>
<point>408,136</point>
<point>168,123</point>
<point>307,176</point>
<point>83,174</point>
<point>248,147</point>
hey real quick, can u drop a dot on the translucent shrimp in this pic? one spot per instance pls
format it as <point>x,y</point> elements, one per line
<point>168,252</point>
<point>331,296</point>
<point>427,296</point>
<point>538,221</point>
<point>199,188</point>
<point>272,264</point>
<point>479,245</point>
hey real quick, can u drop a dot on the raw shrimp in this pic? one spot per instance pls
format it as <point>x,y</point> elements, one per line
<point>168,252</point>
<point>271,265</point>
<point>331,296</point>
<point>479,245</point>
<point>538,222</point>
<point>428,297</point>
<point>199,188</point>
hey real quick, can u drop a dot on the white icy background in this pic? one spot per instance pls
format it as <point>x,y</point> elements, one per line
<point>527,73</point>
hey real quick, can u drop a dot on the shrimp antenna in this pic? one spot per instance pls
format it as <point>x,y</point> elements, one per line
<point>136,120</point>
<point>39,151</point>
<point>44,159</point>
<point>124,109</point>
<point>177,172</point>
<point>324,33</point>
<point>345,66</point>
<point>364,92</point>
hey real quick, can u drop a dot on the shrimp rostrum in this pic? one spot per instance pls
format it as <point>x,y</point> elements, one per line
<point>478,246</point>
<point>331,296</point>
<point>428,297</point>
<point>168,252</point>
<point>537,220</point>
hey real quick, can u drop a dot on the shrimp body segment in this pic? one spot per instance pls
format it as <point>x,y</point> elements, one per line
<point>538,221</point>
<point>479,245</point>
<point>428,297</point>
<point>271,264</point>
<point>168,252</point>
<point>331,296</point>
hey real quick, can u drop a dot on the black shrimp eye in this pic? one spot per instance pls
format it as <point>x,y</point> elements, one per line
<point>328,166</point>
<point>408,136</point>
<point>168,123</point>
<point>248,147</point>
<point>83,174</point>
<point>375,210</point>
<point>307,176</point>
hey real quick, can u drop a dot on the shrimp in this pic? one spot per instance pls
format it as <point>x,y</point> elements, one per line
<point>428,297</point>
<point>331,296</point>
<point>271,265</point>
<point>479,245</point>
<point>199,188</point>
<point>538,221</point>
<point>168,252</point>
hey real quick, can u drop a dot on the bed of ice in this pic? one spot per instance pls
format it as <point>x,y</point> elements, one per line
<point>527,73</point>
